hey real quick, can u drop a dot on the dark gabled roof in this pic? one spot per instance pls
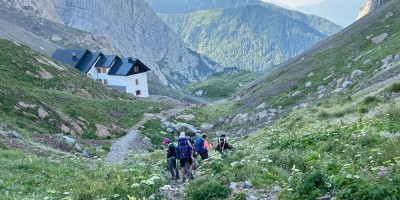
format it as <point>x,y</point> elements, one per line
<point>125,67</point>
<point>66,56</point>
<point>106,61</point>
<point>88,60</point>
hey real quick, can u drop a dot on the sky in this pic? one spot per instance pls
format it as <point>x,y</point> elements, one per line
<point>342,12</point>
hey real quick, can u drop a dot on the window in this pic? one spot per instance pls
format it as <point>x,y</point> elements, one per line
<point>136,69</point>
<point>101,70</point>
<point>137,81</point>
<point>138,92</point>
<point>105,81</point>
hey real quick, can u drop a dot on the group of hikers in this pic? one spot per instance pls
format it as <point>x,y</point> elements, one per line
<point>185,150</point>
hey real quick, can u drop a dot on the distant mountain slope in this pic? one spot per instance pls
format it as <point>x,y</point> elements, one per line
<point>134,29</point>
<point>189,6</point>
<point>361,56</point>
<point>251,37</point>
<point>46,36</point>
<point>39,95</point>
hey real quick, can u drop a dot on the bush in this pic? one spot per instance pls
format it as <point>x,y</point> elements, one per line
<point>3,146</point>
<point>370,99</point>
<point>394,88</point>
<point>204,188</point>
<point>324,115</point>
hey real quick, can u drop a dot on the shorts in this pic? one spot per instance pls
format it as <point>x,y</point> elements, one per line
<point>183,161</point>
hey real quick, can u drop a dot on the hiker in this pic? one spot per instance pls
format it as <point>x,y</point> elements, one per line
<point>184,153</point>
<point>202,146</point>
<point>223,144</point>
<point>171,158</point>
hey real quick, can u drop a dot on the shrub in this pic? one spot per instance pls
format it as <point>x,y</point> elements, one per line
<point>324,115</point>
<point>207,190</point>
<point>370,99</point>
<point>395,87</point>
<point>3,146</point>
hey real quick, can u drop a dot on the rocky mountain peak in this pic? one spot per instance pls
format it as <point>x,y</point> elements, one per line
<point>370,6</point>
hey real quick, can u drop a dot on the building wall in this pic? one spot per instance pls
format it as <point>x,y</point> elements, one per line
<point>128,81</point>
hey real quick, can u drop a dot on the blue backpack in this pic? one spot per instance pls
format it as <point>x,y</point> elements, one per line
<point>184,149</point>
<point>200,145</point>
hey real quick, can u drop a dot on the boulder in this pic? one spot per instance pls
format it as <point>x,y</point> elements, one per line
<point>68,139</point>
<point>251,198</point>
<point>261,106</point>
<point>186,117</point>
<point>296,93</point>
<point>206,127</point>
<point>367,62</point>
<point>262,114</point>
<point>380,38</point>
<point>309,84</point>
<point>102,131</point>
<point>199,93</point>
<point>25,105</point>
<point>42,113</point>
<point>310,75</point>
<point>248,184</point>
<point>321,87</point>
<point>388,15</point>
<point>187,128</point>
<point>65,128</point>
<point>14,134</point>
<point>238,98</point>
<point>346,84</point>
<point>240,119</point>
<point>356,72</point>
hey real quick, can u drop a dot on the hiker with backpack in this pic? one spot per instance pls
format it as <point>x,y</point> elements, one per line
<point>202,146</point>
<point>223,144</point>
<point>184,153</point>
<point>171,158</point>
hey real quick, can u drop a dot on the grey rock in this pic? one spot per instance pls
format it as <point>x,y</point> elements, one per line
<point>367,62</point>
<point>308,84</point>
<point>152,197</point>
<point>261,106</point>
<point>296,93</point>
<point>321,87</point>
<point>356,72</point>
<point>310,75</point>
<point>85,154</point>
<point>248,184</point>
<point>14,134</point>
<point>1,182</point>
<point>251,198</point>
<point>240,119</point>
<point>199,93</point>
<point>321,96</point>
<point>388,15</point>
<point>206,127</point>
<point>186,117</point>
<point>272,110</point>
<point>187,128</point>
<point>68,139</point>
<point>42,113</point>
<point>262,114</point>
<point>277,188</point>
<point>238,98</point>
<point>346,84</point>
<point>328,77</point>
<point>170,130</point>
<point>78,147</point>
<point>233,184</point>
<point>295,108</point>
<point>380,38</point>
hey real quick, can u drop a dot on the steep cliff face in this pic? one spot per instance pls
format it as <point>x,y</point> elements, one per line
<point>138,32</point>
<point>188,6</point>
<point>43,8</point>
<point>370,6</point>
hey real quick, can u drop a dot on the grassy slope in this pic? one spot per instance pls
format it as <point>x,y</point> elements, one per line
<point>251,37</point>
<point>222,85</point>
<point>344,145</point>
<point>22,81</point>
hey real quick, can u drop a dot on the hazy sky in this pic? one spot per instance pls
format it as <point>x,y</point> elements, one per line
<point>342,12</point>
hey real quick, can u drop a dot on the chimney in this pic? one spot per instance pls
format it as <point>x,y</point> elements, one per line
<point>74,56</point>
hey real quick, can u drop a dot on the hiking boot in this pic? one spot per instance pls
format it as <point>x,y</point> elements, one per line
<point>183,179</point>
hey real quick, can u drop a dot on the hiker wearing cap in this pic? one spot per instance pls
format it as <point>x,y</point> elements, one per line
<point>184,153</point>
<point>171,158</point>
<point>223,144</point>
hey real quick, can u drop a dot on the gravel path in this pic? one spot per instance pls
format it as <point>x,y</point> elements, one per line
<point>130,142</point>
